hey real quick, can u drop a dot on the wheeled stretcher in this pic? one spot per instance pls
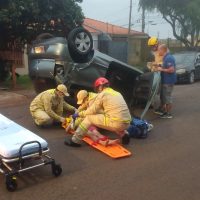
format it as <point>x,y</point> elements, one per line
<point>21,150</point>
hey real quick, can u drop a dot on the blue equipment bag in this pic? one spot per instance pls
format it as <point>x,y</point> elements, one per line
<point>138,128</point>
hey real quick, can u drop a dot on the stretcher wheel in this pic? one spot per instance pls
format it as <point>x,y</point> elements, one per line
<point>56,170</point>
<point>11,184</point>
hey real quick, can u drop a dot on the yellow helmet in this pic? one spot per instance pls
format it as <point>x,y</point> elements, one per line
<point>82,94</point>
<point>62,88</point>
<point>152,41</point>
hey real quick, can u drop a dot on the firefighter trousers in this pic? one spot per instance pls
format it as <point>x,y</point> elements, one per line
<point>100,121</point>
<point>41,117</point>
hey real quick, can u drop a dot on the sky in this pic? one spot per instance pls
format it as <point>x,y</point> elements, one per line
<point>117,12</point>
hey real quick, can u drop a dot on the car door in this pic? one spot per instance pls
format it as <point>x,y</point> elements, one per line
<point>197,66</point>
<point>41,68</point>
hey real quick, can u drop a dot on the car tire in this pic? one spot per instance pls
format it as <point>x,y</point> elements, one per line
<point>56,170</point>
<point>80,44</point>
<point>191,78</point>
<point>44,36</point>
<point>41,85</point>
<point>11,184</point>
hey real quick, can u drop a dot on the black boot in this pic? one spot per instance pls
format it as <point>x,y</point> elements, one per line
<point>43,126</point>
<point>69,142</point>
<point>125,139</point>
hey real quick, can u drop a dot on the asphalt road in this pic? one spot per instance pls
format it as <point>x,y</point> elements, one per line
<point>165,166</point>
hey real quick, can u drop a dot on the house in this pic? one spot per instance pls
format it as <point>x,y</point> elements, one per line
<point>115,41</point>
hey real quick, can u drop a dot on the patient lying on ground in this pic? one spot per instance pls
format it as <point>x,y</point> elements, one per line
<point>92,133</point>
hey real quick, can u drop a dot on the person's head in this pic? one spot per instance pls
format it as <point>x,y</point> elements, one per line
<point>82,97</point>
<point>100,84</point>
<point>61,90</point>
<point>162,49</point>
<point>153,43</point>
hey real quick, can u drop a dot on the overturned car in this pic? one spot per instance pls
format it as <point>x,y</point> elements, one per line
<point>74,62</point>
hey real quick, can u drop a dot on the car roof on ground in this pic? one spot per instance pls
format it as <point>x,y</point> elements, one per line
<point>111,59</point>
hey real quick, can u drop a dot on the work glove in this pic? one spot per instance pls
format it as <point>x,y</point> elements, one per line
<point>75,115</point>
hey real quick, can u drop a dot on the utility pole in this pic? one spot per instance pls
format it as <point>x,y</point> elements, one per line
<point>130,14</point>
<point>158,34</point>
<point>129,33</point>
<point>143,19</point>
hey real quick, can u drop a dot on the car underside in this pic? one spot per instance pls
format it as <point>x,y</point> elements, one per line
<point>76,64</point>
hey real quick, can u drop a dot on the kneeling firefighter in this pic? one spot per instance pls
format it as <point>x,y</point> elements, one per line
<point>48,106</point>
<point>115,117</point>
<point>85,100</point>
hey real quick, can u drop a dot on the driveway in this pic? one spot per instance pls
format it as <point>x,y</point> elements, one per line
<point>165,166</point>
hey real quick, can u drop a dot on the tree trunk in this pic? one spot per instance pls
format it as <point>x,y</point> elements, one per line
<point>14,79</point>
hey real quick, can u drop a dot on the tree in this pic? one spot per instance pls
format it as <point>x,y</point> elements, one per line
<point>182,15</point>
<point>23,20</point>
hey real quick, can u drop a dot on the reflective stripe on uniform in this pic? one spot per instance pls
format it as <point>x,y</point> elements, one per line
<point>112,92</point>
<point>119,120</point>
<point>106,120</point>
<point>127,121</point>
<point>82,113</point>
<point>51,91</point>
<point>92,95</point>
<point>83,128</point>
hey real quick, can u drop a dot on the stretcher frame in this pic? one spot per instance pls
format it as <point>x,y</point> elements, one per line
<point>27,153</point>
<point>41,156</point>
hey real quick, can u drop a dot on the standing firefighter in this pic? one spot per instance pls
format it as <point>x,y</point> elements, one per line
<point>109,111</point>
<point>49,105</point>
<point>153,44</point>
<point>158,61</point>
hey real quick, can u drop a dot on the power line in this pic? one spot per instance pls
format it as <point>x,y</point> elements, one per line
<point>123,18</point>
<point>146,23</point>
<point>117,20</point>
<point>124,25</point>
<point>143,19</point>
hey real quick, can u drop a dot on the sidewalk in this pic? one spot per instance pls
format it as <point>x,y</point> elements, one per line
<point>15,97</point>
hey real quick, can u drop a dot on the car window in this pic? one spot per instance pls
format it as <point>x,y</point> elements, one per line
<point>184,59</point>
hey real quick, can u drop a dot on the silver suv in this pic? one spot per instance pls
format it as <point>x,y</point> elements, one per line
<point>74,62</point>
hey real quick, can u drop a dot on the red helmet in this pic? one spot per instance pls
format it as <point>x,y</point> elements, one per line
<point>100,81</point>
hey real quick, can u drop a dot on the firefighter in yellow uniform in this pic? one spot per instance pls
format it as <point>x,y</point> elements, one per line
<point>115,117</point>
<point>48,106</point>
<point>85,100</point>
<point>158,60</point>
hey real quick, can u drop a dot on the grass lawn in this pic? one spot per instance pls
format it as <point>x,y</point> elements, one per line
<point>23,82</point>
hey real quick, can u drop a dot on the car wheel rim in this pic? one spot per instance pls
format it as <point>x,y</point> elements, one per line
<point>192,77</point>
<point>82,42</point>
